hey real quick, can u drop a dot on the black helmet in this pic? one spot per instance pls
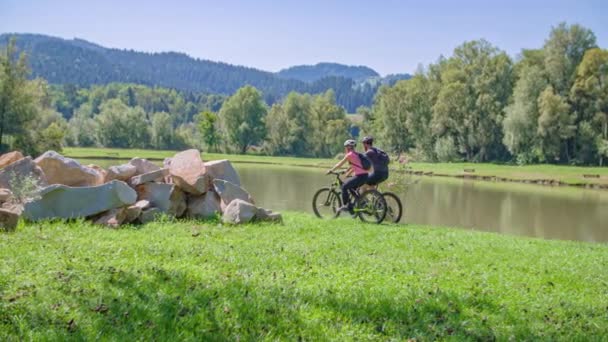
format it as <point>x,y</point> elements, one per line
<point>350,143</point>
<point>368,140</point>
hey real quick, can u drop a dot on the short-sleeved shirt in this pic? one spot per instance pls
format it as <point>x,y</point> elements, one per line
<point>374,157</point>
<point>355,161</point>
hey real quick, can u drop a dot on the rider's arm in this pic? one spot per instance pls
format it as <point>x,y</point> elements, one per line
<point>339,165</point>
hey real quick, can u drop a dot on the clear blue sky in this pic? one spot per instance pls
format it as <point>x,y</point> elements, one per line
<point>388,35</point>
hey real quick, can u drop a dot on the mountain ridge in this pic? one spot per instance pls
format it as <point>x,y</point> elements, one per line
<point>84,63</point>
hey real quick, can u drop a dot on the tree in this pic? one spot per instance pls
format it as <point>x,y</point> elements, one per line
<point>555,124</point>
<point>242,118</point>
<point>162,131</point>
<point>329,127</point>
<point>18,105</point>
<point>122,126</point>
<point>278,139</point>
<point>208,128</point>
<point>521,121</point>
<point>563,52</point>
<point>590,93</point>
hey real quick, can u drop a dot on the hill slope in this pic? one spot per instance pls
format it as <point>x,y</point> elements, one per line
<point>79,62</point>
<point>311,73</point>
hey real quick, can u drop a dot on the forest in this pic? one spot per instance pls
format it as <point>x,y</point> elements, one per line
<point>547,105</point>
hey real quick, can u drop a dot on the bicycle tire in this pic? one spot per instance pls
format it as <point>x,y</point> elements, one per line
<point>393,214</point>
<point>371,207</point>
<point>330,200</point>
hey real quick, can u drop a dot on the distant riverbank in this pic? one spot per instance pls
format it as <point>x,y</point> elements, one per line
<point>544,174</point>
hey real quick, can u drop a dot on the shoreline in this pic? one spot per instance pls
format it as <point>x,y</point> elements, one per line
<point>465,175</point>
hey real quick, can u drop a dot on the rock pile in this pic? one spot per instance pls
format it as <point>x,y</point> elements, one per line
<point>135,192</point>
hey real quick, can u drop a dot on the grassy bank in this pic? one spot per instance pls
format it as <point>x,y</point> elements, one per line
<point>570,175</point>
<point>307,279</point>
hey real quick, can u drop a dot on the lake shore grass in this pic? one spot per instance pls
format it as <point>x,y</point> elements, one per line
<point>537,174</point>
<point>305,280</point>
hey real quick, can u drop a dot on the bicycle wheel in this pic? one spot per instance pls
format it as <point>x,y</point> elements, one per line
<point>325,203</point>
<point>394,208</point>
<point>371,207</point>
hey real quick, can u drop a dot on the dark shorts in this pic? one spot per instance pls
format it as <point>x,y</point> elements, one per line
<point>377,178</point>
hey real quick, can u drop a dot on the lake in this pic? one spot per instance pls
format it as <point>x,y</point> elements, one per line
<point>563,213</point>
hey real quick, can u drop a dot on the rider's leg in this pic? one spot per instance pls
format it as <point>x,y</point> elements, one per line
<point>352,183</point>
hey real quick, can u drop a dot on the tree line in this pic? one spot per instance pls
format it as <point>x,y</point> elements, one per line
<point>549,106</point>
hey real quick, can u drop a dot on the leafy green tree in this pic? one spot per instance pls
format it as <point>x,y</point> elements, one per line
<point>208,128</point>
<point>18,106</point>
<point>521,120</point>
<point>590,93</point>
<point>328,127</point>
<point>390,117</point>
<point>162,130</point>
<point>555,124</point>
<point>242,118</point>
<point>122,126</point>
<point>278,139</point>
<point>563,52</point>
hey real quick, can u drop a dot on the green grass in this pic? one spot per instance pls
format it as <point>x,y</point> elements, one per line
<point>305,280</point>
<point>572,175</point>
<point>117,153</point>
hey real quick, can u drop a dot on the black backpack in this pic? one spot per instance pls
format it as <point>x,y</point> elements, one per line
<point>383,157</point>
<point>366,164</point>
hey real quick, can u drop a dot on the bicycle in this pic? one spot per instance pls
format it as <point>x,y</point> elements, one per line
<point>369,206</point>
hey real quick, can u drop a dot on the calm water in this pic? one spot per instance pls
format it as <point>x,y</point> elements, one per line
<point>508,208</point>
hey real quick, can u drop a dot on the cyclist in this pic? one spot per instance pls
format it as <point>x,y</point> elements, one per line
<point>379,161</point>
<point>360,178</point>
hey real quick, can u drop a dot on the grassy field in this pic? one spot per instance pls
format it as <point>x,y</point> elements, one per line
<point>572,175</point>
<point>304,280</point>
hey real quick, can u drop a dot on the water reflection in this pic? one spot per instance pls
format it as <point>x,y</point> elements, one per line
<point>509,208</point>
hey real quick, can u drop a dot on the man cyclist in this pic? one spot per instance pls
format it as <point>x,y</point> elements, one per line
<point>379,161</point>
<point>360,178</point>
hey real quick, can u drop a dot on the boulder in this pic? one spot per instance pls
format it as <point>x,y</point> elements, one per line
<point>204,206</point>
<point>166,165</point>
<point>168,198</point>
<point>102,173</point>
<point>178,203</point>
<point>112,218</point>
<point>268,215</point>
<point>222,169</point>
<point>149,215</point>
<point>188,172</point>
<point>9,158</point>
<point>239,211</point>
<point>64,202</point>
<point>61,170</point>
<point>14,207</point>
<point>8,219</point>
<point>153,176</point>
<point>134,211</point>
<point>5,195</point>
<point>122,172</point>
<point>20,169</point>
<point>229,192</point>
<point>143,166</point>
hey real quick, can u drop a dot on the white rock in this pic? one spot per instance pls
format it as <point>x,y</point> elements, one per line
<point>60,201</point>
<point>222,169</point>
<point>239,211</point>
<point>143,166</point>
<point>204,206</point>
<point>229,192</point>
<point>188,172</point>
<point>122,172</point>
<point>61,170</point>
